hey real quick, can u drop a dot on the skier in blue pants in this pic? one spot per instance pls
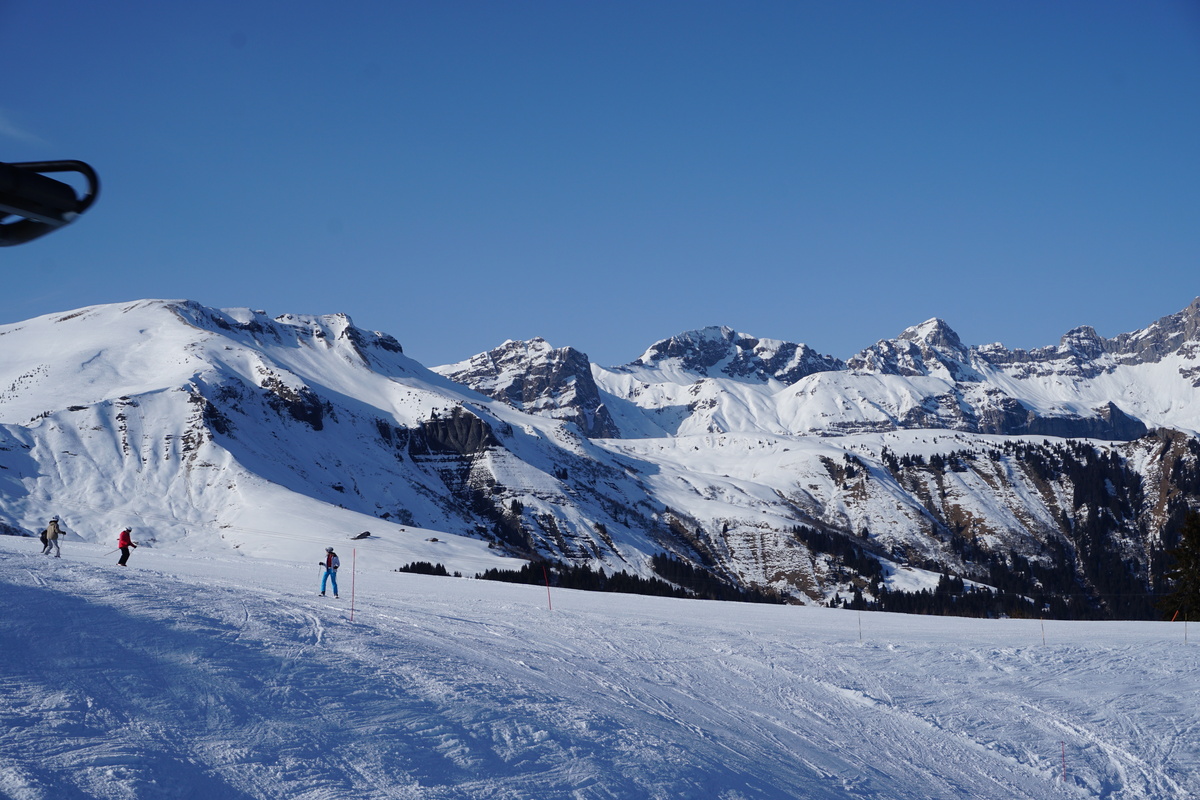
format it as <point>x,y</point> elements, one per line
<point>331,564</point>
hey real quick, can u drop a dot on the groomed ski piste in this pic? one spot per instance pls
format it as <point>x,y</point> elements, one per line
<point>218,675</point>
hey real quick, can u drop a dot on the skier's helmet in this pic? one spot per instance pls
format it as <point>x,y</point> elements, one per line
<point>328,549</point>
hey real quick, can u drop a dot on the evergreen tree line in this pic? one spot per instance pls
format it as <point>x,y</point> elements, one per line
<point>703,585</point>
<point>951,598</point>
<point>425,568</point>
<point>583,577</point>
<point>956,461</point>
<point>850,556</point>
<point>1183,601</point>
<point>685,580</point>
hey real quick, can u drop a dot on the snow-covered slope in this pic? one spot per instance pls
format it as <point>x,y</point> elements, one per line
<point>198,424</point>
<point>226,677</point>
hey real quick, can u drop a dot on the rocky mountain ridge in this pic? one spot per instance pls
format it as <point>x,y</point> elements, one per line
<point>735,355</point>
<point>717,380</point>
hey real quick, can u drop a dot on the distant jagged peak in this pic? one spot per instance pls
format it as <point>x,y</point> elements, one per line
<point>1084,351</point>
<point>1082,341</point>
<point>1178,332</point>
<point>721,351</point>
<point>534,376</point>
<point>929,349</point>
<point>537,347</point>
<point>512,354</point>
<point>683,344</point>
<point>935,333</point>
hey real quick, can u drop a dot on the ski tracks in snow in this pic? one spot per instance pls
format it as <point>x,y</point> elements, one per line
<point>227,682</point>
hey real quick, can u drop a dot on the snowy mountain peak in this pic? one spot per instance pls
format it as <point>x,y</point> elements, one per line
<point>1082,341</point>
<point>723,352</point>
<point>702,347</point>
<point>536,377</point>
<point>935,333</point>
<point>929,349</point>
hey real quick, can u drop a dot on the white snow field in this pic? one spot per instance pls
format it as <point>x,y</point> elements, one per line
<point>219,675</point>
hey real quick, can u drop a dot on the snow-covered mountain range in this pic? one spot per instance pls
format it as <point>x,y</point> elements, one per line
<point>1058,472</point>
<point>716,380</point>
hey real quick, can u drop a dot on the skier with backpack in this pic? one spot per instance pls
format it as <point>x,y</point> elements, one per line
<point>50,538</point>
<point>331,564</point>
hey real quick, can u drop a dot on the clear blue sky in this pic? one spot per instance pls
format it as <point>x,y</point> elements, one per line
<point>607,174</point>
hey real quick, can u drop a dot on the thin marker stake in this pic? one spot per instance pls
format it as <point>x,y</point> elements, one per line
<point>547,574</point>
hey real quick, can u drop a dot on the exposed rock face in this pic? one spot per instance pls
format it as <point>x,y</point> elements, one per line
<point>460,433</point>
<point>301,403</point>
<point>1175,333</point>
<point>1108,422</point>
<point>537,378</point>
